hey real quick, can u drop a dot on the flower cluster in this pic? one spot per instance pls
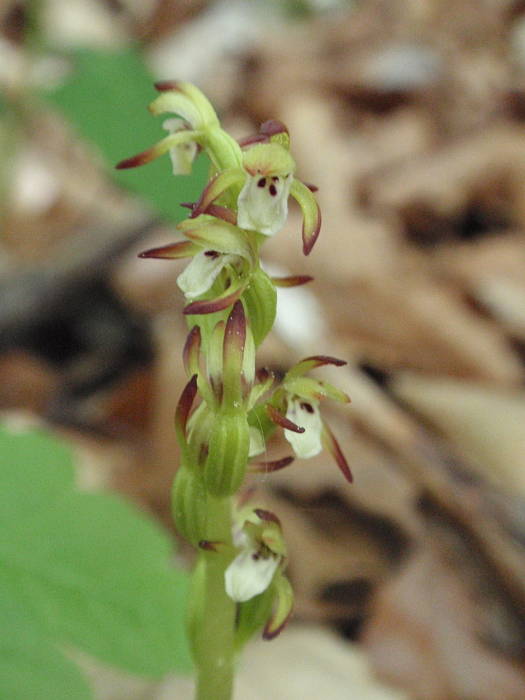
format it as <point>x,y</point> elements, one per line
<point>228,410</point>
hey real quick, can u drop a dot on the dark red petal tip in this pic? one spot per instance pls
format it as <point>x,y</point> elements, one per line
<point>172,251</point>
<point>273,466</point>
<point>292,281</point>
<point>165,85</point>
<point>311,187</point>
<point>333,447</point>
<point>220,212</point>
<point>270,632</point>
<point>209,306</point>
<point>281,420</point>
<point>210,546</point>
<point>309,242</point>
<point>135,161</point>
<point>184,405</point>
<point>267,516</point>
<point>325,360</point>
<point>271,127</point>
<point>190,352</point>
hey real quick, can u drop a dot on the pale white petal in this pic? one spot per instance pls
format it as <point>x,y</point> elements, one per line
<point>257,443</point>
<point>263,203</point>
<point>181,156</point>
<point>202,272</point>
<point>249,574</point>
<point>306,415</point>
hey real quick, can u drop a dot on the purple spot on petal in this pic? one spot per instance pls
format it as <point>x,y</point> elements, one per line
<point>262,182</point>
<point>212,254</point>
<point>307,407</point>
<point>272,190</point>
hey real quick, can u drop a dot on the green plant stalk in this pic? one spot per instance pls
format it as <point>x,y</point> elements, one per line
<point>215,672</point>
<point>213,630</point>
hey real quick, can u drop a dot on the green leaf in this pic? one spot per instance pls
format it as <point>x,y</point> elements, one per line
<point>106,100</point>
<point>32,667</point>
<point>84,570</point>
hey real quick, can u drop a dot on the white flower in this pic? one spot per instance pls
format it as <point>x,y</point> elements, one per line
<point>306,415</point>
<point>263,203</point>
<point>183,154</point>
<point>250,573</point>
<point>198,277</point>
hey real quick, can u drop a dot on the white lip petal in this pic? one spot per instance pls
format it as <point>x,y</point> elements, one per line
<point>181,156</point>
<point>263,203</point>
<point>201,273</point>
<point>306,415</point>
<point>249,574</point>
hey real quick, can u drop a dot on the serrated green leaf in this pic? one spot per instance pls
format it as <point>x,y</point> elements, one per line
<point>93,571</point>
<point>106,100</point>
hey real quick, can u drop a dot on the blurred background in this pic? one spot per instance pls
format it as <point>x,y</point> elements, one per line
<point>409,117</point>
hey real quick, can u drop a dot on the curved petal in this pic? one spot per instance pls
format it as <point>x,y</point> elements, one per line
<point>282,610</point>
<point>291,281</point>
<point>210,306</point>
<point>307,444</point>
<point>198,277</point>
<point>172,251</point>
<point>217,186</point>
<point>311,214</point>
<point>312,362</point>
<point>330,443</point>
<point>186,100</point>
<point>159,149</point>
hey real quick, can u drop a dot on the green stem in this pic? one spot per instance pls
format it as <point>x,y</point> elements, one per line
<point>213,625</point>
<point>215,671</point>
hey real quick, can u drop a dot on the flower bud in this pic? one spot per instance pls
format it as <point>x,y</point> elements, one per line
<point>188,503</point>
<point>228,451</point>
<point>260,301</point>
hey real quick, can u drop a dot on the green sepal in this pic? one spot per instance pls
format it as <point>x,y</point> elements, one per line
<point>258,390</point>
<point>232,177</point>
<point>187,101</point>
<point>313,389</point>
<point>258,418</point>
<point>221,236</point>
<point>199,427</point>
<point>260,302</point>
<point>283,597</point>
<point>268,159</point>
<point>311,214</point>
<point>228,450</point>
<point>252,616</point>
<point>233,354</point>
<point>159,149</point>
